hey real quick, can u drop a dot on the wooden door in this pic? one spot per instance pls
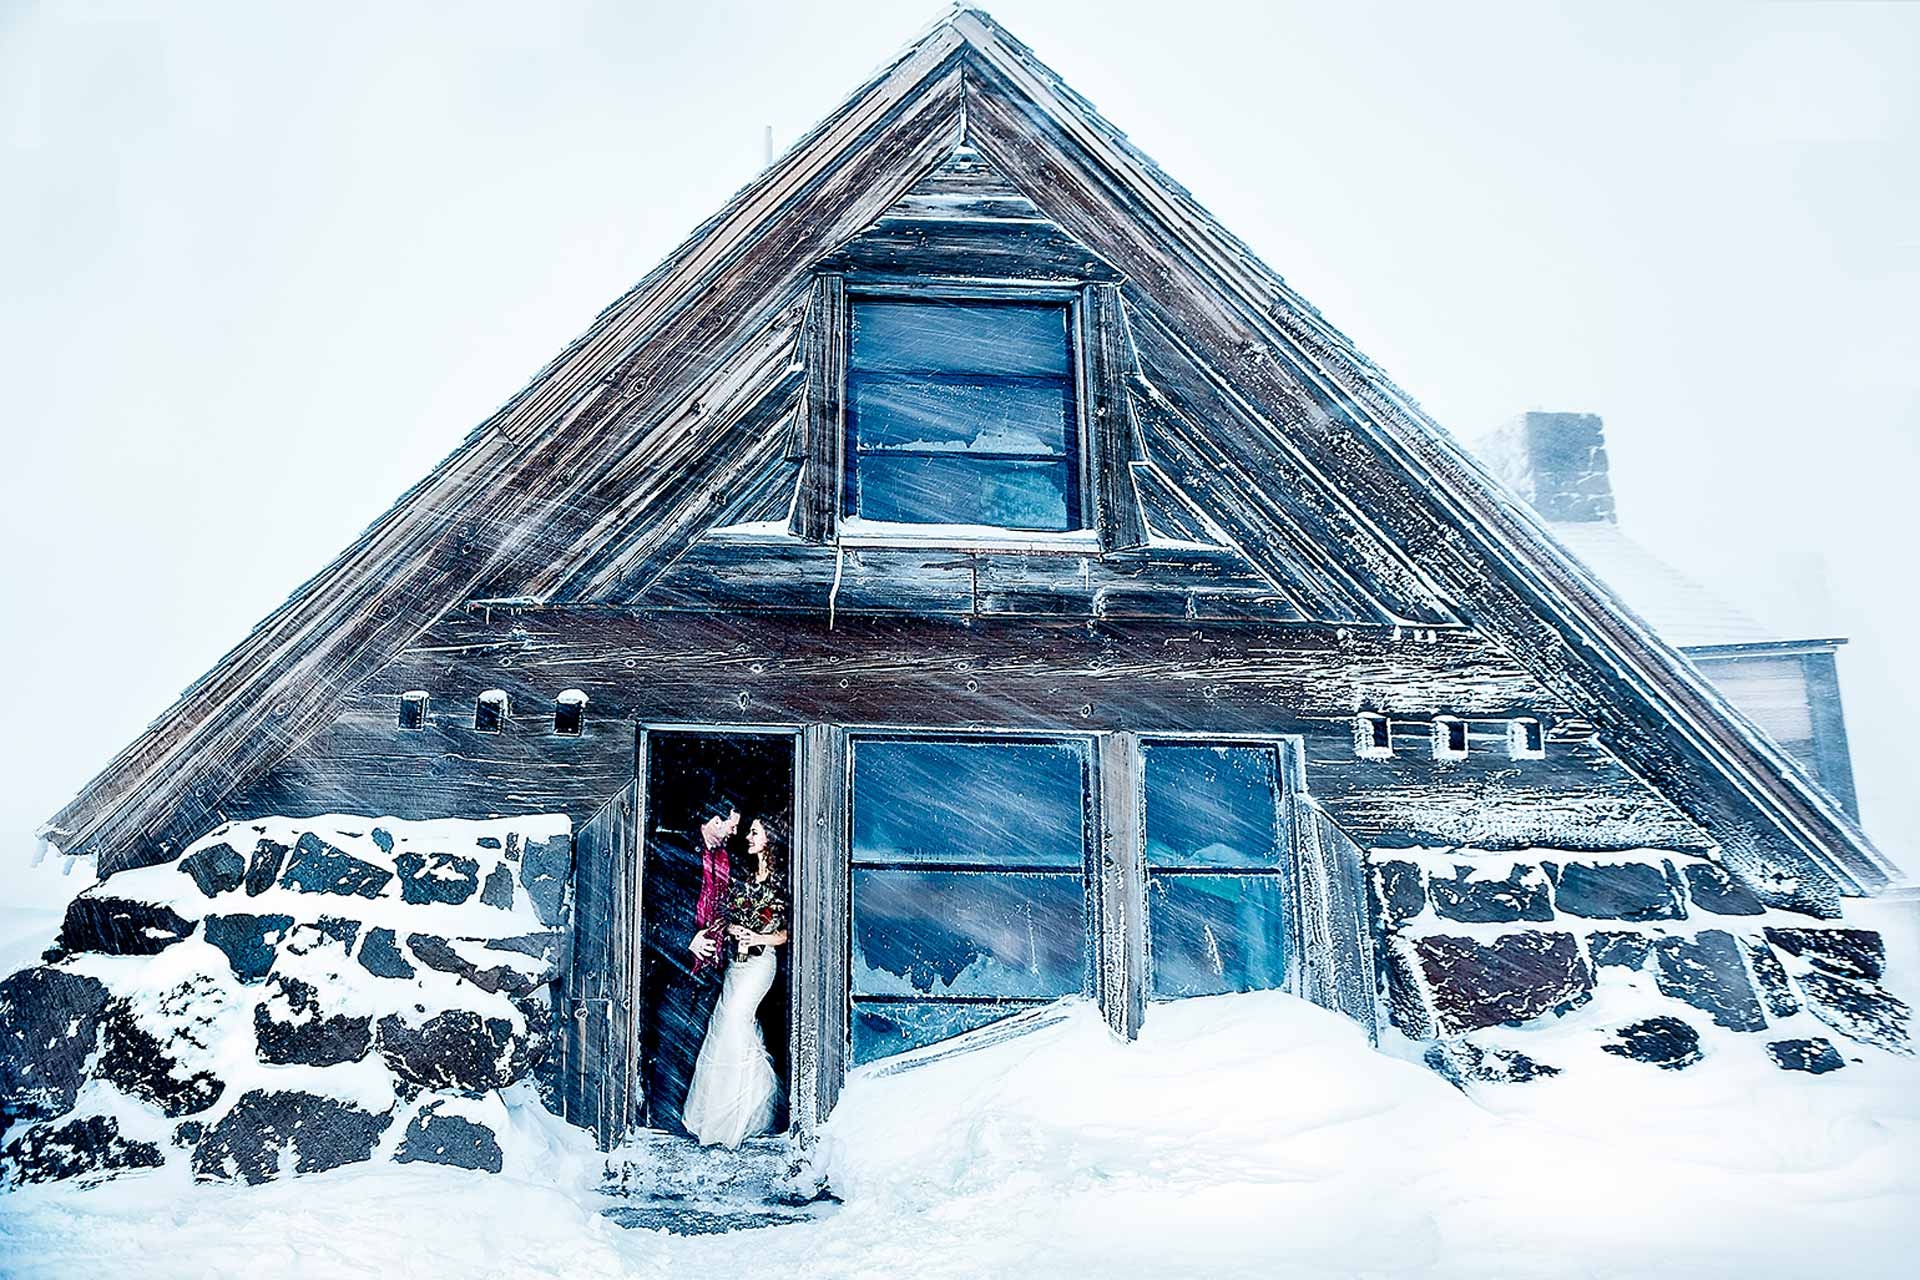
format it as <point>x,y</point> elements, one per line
<point>600,1085</point>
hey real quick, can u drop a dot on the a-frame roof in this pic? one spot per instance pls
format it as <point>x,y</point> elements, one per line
<point>602,438</point>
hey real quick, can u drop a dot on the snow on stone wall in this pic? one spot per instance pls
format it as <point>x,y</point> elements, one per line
<point>288,996</point>
<point>1650,946</point>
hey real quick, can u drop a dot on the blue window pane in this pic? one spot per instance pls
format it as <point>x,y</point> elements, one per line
<point>1029,419</point>
<point>1211,934</point>
<point>1001,339</point>
<point>968,933</point>
<point>917,488</point>
<point>1010,804</point>
<point>884,1028</point>
<point>1212,806</point>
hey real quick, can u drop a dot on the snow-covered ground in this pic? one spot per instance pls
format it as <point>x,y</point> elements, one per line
<point>1243,1135</point>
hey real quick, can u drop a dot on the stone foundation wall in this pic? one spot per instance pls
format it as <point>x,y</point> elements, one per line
<point>290,996</point>
<point>1640,951</point>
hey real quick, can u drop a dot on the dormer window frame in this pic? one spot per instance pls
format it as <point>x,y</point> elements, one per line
<point>1079,497</point>
<point>1105,441</point>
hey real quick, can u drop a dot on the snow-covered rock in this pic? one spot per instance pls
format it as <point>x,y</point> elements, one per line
<point>288,996</point>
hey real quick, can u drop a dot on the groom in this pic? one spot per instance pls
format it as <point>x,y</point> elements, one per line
<point>689,877</point>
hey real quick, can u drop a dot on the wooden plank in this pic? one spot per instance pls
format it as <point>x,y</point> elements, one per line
<point>962,248</point>
<point>1120,883</point>
<point>822,927</point>
<point>596,1083</point>
<point>1113,439</point>
<point>821,439</point>
<point>1333,923</point>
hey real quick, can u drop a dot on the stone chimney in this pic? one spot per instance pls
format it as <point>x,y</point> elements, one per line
<point>1557,462</point>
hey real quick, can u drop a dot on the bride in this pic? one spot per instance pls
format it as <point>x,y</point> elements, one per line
<point>735,1092</point>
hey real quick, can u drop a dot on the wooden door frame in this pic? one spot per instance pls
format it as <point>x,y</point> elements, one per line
<point>801,1069</point>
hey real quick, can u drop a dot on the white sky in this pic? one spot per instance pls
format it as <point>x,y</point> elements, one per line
<point>263,266</point>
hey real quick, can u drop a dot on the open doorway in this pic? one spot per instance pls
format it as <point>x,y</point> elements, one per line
<point>687,770</point>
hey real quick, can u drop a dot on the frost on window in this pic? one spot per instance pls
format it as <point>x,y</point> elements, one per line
<point>1212,806</point>
<point>969,889</point>
<point>1216,896</point>
<point>962,413</point>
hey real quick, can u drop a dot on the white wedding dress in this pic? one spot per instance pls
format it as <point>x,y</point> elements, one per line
<point>735,1092</point>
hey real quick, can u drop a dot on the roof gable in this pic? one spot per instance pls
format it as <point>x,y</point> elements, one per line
<point>1251,408</point>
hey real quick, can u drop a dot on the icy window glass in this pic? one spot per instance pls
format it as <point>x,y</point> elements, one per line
<point>1216,891</point>
<point>962,413</point>
<point>1014,804</point>
<point>1212,806</point>
<point>969,886</point>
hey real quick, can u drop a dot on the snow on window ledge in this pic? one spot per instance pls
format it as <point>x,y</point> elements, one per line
<point>858,532</point>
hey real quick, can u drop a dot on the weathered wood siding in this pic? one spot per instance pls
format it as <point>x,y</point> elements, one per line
<point>1142,675</point>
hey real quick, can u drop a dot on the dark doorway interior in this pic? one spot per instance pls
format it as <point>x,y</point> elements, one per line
<point>683,769</point>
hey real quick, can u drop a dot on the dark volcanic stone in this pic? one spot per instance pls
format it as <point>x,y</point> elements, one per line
<point>1401,889</point>
<point>1771,976</point>
<point>216,869</point>
<point>1618,950</point>
<point>289,1028</point>
<point>1858,1009</point>
<point>1706,972</point>
<point>248,941</point>
<point>75,1148</point>
<point>1712,889</point>
<point>120,926</point>
<point>1461,1061</point>
<point>449,1139</point>
<point>141,1065</point>
<point>1667,1043</point>
<point>1615,891</point>
<point>49,1022</point>
<point>457,1050</point>
<point>263,869</point>
<point>383,839</point>
<point>437,953</point>
<point>1845,953</point>
<point>188,1132</point>
<point>381,956</point>
<point>1521,896</point>
<point>1816,1056</point>
<point>323,1133</point>
<point>543,874</point>
<point>498,890</point>
<point>1517,978</point>
<point>318,867</point>
<point>437,877</point>
<point>334,929</point>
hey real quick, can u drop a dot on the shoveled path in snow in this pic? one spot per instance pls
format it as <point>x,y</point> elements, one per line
<point>1242,1136</point>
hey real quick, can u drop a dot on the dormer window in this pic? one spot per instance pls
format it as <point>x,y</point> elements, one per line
<point>963,412</point>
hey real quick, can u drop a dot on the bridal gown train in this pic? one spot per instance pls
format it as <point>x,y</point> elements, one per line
<point>735,1092</point>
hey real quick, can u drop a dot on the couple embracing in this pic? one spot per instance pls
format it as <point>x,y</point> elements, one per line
<point>714,933</point>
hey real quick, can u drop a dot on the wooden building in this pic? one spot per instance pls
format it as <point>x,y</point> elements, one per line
<point>1096,608</point>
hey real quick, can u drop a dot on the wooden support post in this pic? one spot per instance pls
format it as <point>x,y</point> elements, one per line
<point>821,922</point>
<point>1119,881</point>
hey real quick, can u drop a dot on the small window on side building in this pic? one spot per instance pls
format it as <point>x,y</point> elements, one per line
<point>1526,739</point>
<point>490,713</point>
<point>413,709</point>
<point>569,710</point>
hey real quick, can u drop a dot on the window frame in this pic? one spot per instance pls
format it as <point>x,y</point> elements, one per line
<point>1082,518</point>
<point>1287,770</point>
<point>1088,748</point>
